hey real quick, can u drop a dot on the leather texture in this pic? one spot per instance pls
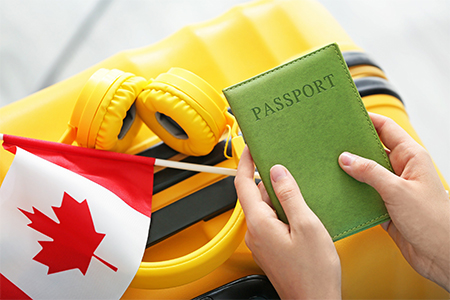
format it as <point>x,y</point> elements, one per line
<point>303,115</point>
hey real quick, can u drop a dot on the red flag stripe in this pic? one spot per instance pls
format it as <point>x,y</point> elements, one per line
<point>102,167</point>
<point>9,290</point>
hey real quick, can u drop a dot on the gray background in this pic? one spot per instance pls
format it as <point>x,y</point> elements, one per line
<point>45,41</point>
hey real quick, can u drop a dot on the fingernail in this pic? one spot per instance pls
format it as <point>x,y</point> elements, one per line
<point>346,158</point>
<point>277,172</point>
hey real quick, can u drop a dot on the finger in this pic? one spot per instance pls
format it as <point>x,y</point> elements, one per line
<point>246,167</point>
<point>247,191</point>
<point>392,230</point>
<point>368,171</point>
<point>391,134</point>
<point>386,225</point>
<point>245,186</point>
<point>403,148</point>
<point>288,193</point>
<point>264,195</point>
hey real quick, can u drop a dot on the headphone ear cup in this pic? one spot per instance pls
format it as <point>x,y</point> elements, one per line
<point>120,123</point>
<point>164,111</point>
<point>184,111</point>
<point>104,116</point>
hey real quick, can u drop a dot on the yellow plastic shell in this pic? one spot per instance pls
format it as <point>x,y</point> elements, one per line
<point>243,42</point>
<point>197,264</point>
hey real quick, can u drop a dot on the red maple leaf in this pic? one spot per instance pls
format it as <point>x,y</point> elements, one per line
<point>74,237</point>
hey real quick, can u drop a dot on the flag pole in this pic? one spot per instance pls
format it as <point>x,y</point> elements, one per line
<point>191,167</point>
<point>197,167</point>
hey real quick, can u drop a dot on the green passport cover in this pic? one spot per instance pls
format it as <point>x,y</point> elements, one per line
<point>303,115</point>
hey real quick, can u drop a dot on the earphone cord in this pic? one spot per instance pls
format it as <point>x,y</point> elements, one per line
<point>227,140</point>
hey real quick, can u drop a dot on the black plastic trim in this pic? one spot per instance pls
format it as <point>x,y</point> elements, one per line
<point>249,287</point>
<point>201,205</point>
<point>354,58</point>
<point>169,176</point>
<point>375,85</point>
<point>160,150</point>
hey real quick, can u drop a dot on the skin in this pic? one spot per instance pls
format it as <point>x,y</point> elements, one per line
<point>299,259</point>
<point>304,263</point>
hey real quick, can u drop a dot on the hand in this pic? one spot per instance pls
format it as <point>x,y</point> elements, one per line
<point>300,258</point>
<point>415,198</point>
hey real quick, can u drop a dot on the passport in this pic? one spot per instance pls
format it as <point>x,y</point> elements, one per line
<point>303,115</point>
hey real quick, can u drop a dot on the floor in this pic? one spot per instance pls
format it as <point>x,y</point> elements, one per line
<point>45,41</point>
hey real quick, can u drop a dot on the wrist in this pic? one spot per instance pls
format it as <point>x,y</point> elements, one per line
<point>439,268</point>
<point>441,275</point>
<point>331,295</point>
<point>437,249</point>
<point>331,289</point>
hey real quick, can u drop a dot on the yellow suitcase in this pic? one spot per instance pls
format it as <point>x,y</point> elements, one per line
<point>243,42</point>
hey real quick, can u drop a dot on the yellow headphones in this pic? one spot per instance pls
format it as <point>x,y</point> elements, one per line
<point>187,113</point>
<point>104,116</point>
<point>190,116</point>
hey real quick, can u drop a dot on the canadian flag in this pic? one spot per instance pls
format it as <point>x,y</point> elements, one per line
<point>73,221</point>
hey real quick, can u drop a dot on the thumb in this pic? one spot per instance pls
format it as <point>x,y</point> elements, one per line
<point>288,193</point>
<point>366,170</point>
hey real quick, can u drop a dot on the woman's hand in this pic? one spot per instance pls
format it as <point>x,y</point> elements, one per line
<point>415,198</point>
<point>300,258</point>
